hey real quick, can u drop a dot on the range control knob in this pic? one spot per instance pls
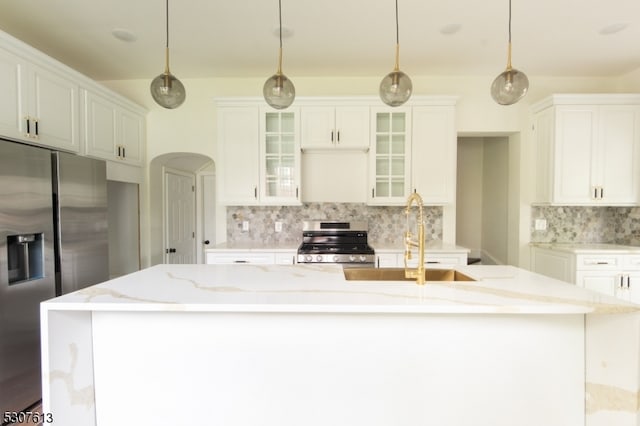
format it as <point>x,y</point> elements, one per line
<point>352,258</point>
<point>308,258</point>
<point>319,258</point>
<point>363,258</point>
<point>336,258</point>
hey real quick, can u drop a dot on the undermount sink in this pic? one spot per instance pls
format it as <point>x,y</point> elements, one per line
<point>397,274</point>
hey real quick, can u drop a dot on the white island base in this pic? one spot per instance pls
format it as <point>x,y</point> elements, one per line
<point>320,351</point>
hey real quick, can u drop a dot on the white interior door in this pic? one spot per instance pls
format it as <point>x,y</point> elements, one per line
<point>180,217</point>
<point>208,212</point>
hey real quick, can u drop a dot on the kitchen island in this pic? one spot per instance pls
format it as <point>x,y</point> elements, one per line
<point>290,345</point>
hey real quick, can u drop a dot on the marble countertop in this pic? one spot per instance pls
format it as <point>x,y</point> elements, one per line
<point>323,288</point>
<point>589,248</point>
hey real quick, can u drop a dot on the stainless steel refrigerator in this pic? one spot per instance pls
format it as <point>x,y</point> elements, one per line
<point>53,240</point>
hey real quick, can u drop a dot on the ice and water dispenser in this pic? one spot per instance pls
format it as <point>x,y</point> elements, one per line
<point>25,255</point>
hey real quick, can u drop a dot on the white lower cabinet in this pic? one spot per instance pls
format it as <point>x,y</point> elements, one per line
<point>615,275</point>
<point>256,257</point>
<point>227,258</point>
<point>440,260</point>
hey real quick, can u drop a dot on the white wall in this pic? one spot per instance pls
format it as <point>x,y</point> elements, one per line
<point>469,194</point>
<point>495,196</point>
<point>192,127</point>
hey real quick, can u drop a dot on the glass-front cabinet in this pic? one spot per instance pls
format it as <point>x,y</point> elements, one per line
<point>389,158</point>
<point>280,156</point>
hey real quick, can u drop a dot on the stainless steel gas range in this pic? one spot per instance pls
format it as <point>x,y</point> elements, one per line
<point>335,242</point>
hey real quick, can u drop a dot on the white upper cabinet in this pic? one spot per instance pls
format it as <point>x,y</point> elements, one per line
<point>588,149</point>
<point>390,156</point>
<point>111,130</point>
<point>259,154</point>
<point>279,156</point>
<point>11,100</point>
<point>239,154</point>
<point>434,153</point>
<point>39,105</point>
<point>42,103</point>
<point>339,127</point>
<point>413,149</point>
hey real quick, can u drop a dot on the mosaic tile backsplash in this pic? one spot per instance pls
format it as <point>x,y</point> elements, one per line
<point>614,225</point>
<point>386,224</point>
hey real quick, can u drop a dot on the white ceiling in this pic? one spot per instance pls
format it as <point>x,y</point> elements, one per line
<point>215,38</point>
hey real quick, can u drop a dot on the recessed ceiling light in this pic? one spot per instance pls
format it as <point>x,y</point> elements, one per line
<point>450,29</point>
<point>124,35</point>
<point>613,28</point>
<point>286,32</point>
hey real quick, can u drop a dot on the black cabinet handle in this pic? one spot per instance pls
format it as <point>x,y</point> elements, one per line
<point>124,153</point>
<point>332,136</point>
<point>35,124</point>
<point>255,192</point>
<point>28,127</point>
<point>338,136</point>
<point>206,242</point>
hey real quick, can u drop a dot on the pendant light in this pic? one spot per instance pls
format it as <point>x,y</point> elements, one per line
<point>510,86</point>
<point>166,89</point>
<point>396,87</point>
<point>278,90</point>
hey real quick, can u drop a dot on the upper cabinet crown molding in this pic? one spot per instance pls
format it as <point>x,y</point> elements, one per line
<point>586,99</point>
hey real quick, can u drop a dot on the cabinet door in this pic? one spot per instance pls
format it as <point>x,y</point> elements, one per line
<point>238,151</point>
<point>100,130</point>
<point>279,157</point>
<point>53,107</point>
<point>632,292</point>
<point>387,260</point>
<point>352,128</point>
<point>318,127</point>
<point>543,136</point>
<point>389,164</point>
<point>617,154</point>
<point>12,108</point>
<point>433,154</point>
<point>574,145</point>
<point>605,282</point>
<point>132,136</point>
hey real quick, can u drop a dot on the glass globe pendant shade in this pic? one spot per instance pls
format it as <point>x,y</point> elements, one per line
<point>168,91</point>
<point>509,87</point>
<point>279,91</point>
<point>395,88</point>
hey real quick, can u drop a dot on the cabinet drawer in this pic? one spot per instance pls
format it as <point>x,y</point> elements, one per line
<point>598,262</point>
<point>285,258</point>
<point>631,262</point>
<point>231,258</point>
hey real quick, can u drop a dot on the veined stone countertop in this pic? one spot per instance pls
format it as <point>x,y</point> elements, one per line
<point>589,248</point>
<point>323,288</point>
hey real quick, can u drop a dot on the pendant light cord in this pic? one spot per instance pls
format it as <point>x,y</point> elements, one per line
<point>397,25</point>
<point>397,66</point>
<point>509,21</point>
<point>280,20</point>
<point>509,46</point>
<point>166,49</point>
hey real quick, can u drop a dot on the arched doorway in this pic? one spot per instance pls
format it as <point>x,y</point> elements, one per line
<point>188,213</point>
